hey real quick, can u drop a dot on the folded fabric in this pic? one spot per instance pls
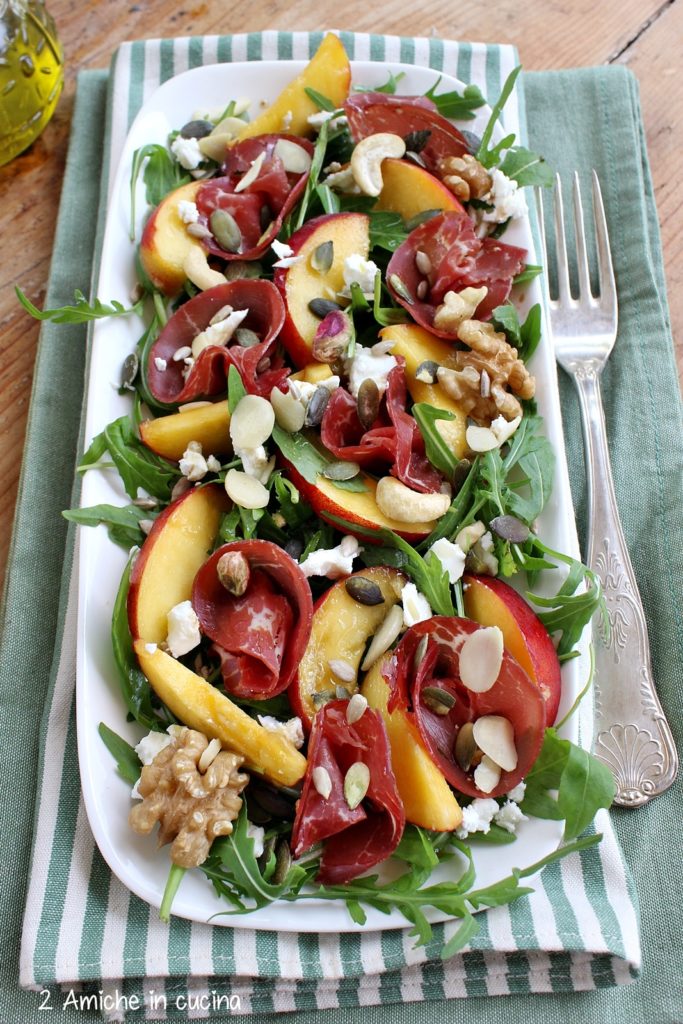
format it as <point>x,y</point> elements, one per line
<point>578,931</point>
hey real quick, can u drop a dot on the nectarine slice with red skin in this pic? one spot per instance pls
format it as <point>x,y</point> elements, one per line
<point>492,602</point>
<point>169,436</point>
<point>300,283</point>
<point>340,631</point>
<point>177,546</point>
<point>410,190</point>
<point>166,241</point>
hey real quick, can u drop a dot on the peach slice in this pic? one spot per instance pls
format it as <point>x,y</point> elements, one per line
<point>328,72</point>
<point>312,373</point>
<point>427,798</point>
<point>165,241</point>
<point>164,571</point>
<point>492,602</point>
<point>300,283</point>
<point>169,436</point>
<point>341,629</point>
<point>417,345</point>
<point>199,705</point>
<point>410,190</point>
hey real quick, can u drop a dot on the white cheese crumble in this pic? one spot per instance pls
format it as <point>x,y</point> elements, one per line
<point>517,794</point>
<point>415,605</point>
<point>366,363</point>
<point>477,817</point>
<point>281,249</point>
<point>321,116</point>
<point>187,152</point>
<point>193,464</point>
<point>160,364</point>
<point>213,464</point>
<point>303,390</point>
<point>451,556</point>
<point>332,562</point>
<point>183,629</point>
<point>506,198</point>
<point>292,729</point>
<point>258,834</point>
<point>219,333</point>
<point>151,648</point>
<point>255,462</point>
<point>188,211</point>
<point>509,816</point>
<point>150,745</point>
<point>358,270</point>
<point>504,429</point>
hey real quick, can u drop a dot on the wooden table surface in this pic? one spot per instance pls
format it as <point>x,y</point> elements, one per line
<point>644,34</point>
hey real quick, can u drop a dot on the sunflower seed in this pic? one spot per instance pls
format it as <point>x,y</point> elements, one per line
<point>363,590</point>
<point>210,754</point>
<point>465,747</point>
<point>437,700</point>
<point>421,290</point>
<point>367,403</point>
<point>322,783</point>
<point>146,503</point>
<point>129,371</point>
<point>180,487</point>
<point>415,158</point>
<point>356,784</point>
<point>343,670</point>
<point>317,405</point>
<point>322,257</point>
<point>384,637</point>
<point>400,288</point>
<point>341,470</point>
<point>225,230</point>
<point>510,528</point>
<point>423,262</point>
<point>321,307</point>
<point>484,384</point>
<point>356,708</point>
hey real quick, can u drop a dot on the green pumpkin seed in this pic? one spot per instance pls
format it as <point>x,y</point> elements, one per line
<point>510,528</point>
<point>129,371</point>
<point>246,338</point>
<point>225,230</point>
<point>239,269</point>
<point>363,590</point>
<point>322,257</point>
<point>317,405</point>
<point>465,747</point>
<point>367,402</point>
<point>356,784</point>
<point>437,700</point>
<point>197,129</point>
<point>427,371</point>
<point>341,470</point>
<point>420,652</point>
<point>321,697</point>
<point>283,862</point>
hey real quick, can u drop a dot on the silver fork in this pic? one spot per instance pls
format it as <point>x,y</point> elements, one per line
<point>631,733</point>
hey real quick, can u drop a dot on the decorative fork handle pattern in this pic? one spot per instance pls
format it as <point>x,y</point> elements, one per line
<point>632,735</point>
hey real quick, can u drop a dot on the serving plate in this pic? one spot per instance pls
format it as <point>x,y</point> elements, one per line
<point>135,859</point>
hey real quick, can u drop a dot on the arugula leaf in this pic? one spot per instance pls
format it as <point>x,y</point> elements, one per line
<point>236,389</point>
<point>81,312</point>
<point>460,509</point>
<point>438,451</point>
<point>127,761</point>
<point>308,460</point>
<point>454,105</point>
<point>386,315</point>
<point>570,610</point>
<point>486,156</point>
<point>162,174</point>
<point>388,87</point>
<point>387,230</point>
<point>330,200</point>
<point>527,168</point>
<point>528,274</point>
<point>317,162</point>
<point>139,468</point>
<point>322,102</point>
<point>524,337</point>
<point>126,519</point>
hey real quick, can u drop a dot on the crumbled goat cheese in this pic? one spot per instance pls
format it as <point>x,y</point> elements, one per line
<point>219,333</point>
<point>193,464</point>
<point>255,462</point>
<point>343,180</point>
<point>451,556</point>
<point>358,270</point>
<point>509,816</point>
<point>506,198</point>
<point>213,464</point>
<point>150,745</point>
<point>332,562</point>
<point>160,363</point>
<point>258,834</point>
<point>187,152</point>
<point>504,429</point>
<point>151,648</point>
<point>415,605</point>
<point>183,629</point>
<point>188,211</point>
<point>517,794</point>
<point>477,817</point>
<point>291,729</point>
<point>303,390</point>
<point>366,363</point>
<point>318,119</point>
<point>287,120</point>
<point>285,255</point>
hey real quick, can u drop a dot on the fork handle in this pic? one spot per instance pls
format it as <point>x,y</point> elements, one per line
<point>631,734</point>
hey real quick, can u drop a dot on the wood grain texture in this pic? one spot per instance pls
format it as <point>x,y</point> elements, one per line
<point>548,34</point>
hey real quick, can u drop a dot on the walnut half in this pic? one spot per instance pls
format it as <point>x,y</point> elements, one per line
<point>193,806</point>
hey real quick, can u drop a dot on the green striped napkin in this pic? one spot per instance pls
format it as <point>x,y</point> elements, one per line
<point>83,930</point>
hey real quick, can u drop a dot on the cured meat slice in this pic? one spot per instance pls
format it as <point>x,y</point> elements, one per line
<point>260,208</point>
<point>371,112</point>
<point>458,260</point>
<point>260,636</point>
<point>169,380</point>
<point>356,839</point>
<point>513,696</point>
<point>394,440</point>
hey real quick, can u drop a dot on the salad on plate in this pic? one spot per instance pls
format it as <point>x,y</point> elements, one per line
<point>340,632</point>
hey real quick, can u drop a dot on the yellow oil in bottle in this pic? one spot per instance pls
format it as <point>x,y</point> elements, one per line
<point>31,74</point>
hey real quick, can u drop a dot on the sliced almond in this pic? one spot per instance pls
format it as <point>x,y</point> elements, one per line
<point>495,736</point>
<point>252,422</point>
<point>384,637</point>
<point>486,775</point>
<point>289,411</point>
<point>252,174</point>
<point>246,491</point>
<point>481,439</point>
<point>481,656</point>
<point>295,159</point>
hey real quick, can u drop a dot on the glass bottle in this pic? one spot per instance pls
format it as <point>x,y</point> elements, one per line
<point>31,74</point>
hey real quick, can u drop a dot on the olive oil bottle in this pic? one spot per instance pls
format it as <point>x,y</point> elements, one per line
<point>31,74</point>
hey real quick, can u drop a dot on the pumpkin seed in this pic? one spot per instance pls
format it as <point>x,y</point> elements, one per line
<point>367,402</point>
<point>322,783</point>
<point>196,129</point>
<point>427,371</point>
<point>238,269</point>
<point>246,338</point>
<point>283,862</point>
<point>363,590</point>
<point>341,470</point>
<point>233,571</point>
<point>420,652</point>
<point>356,708</point>
<point>341,693</point>
<point>272,799</point>
<point>317,405</point>
<point>129,371</point>
<point>322,257</point>
<point>321,697</point>
<point>321,307</point>
<point>356,784</point>
<point>510,528</point>
<point>268,848</point>
<point>423,262</point>
<point>416,141</point>
<point>225,230</point>
<point>265,217</point>
<point>294,549</point>
<point>400,289</point>
<point>460,474</point>
<point>465,748</point>
<point>437,700</point>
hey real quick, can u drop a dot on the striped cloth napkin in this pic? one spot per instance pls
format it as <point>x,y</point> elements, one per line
<point>85,932</point>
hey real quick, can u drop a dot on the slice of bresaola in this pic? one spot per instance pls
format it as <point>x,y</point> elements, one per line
<point>170,380</point>
<point>372,112</point>
<point>458,259</point>
<point>259,208</point>
<point>355,840</point>
<point>260,636</point>
<point>394,440</point>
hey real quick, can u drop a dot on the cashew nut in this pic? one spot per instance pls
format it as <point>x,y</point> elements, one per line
<point>197,269</point>
<point>367,157</point>
<point>399,502</point>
